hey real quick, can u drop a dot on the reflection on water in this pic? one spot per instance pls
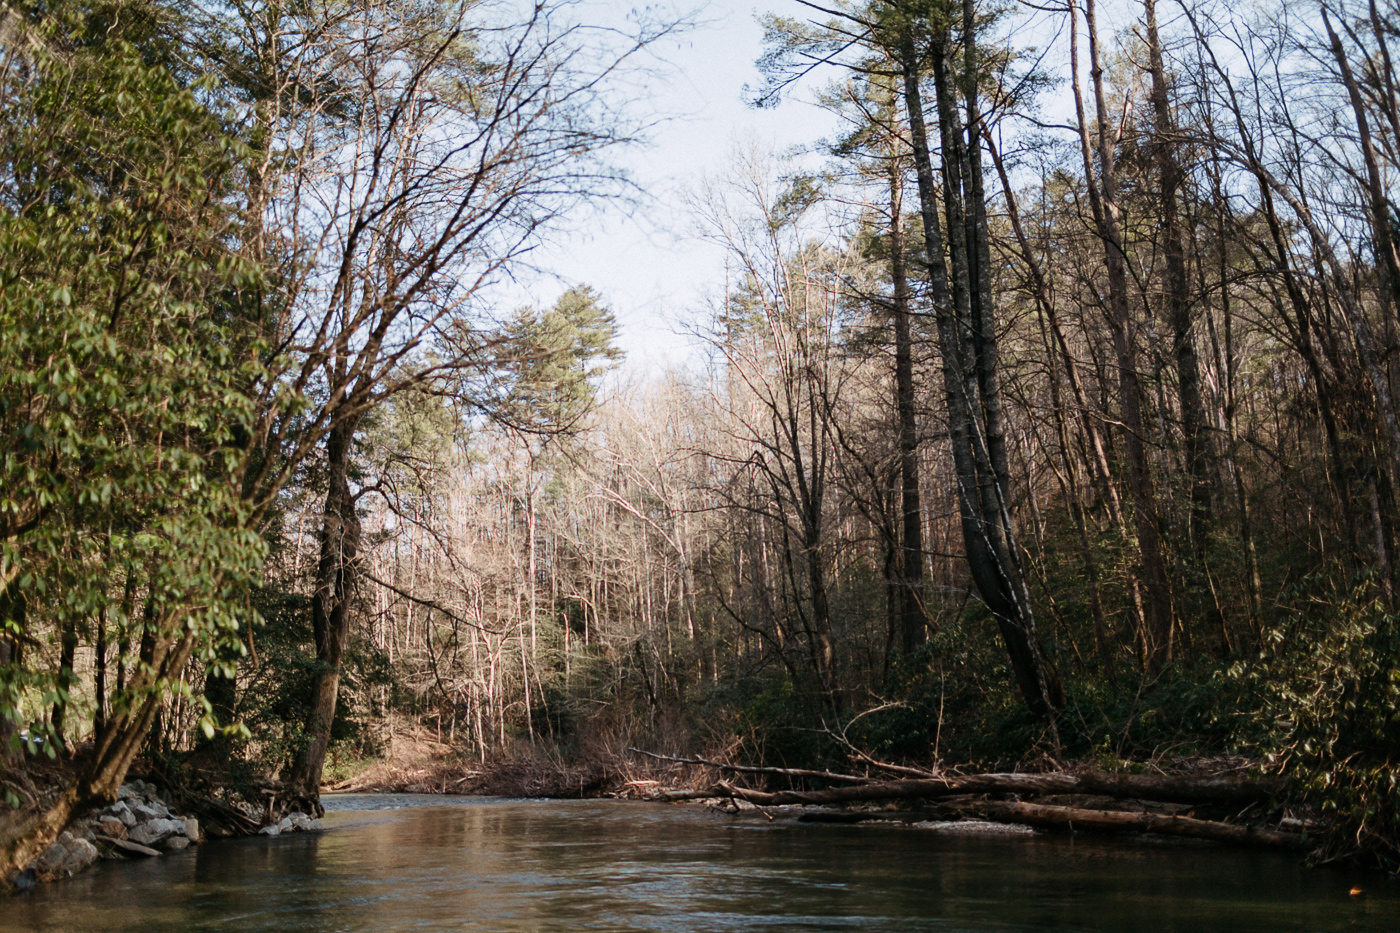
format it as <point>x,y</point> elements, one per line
<point>422,863</point>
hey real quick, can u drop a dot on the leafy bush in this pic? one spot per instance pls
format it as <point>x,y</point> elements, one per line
<point>1328,689</point>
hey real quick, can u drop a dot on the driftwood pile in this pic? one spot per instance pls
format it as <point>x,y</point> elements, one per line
<point>1232,808</point>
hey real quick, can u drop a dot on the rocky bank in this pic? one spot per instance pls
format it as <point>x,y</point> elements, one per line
<point>140,824</point>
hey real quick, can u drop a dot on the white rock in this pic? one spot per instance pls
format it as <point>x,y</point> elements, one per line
<point>300,821</point>
<point>286,825</point>
<point>191,829</point>
<point>271,830</point>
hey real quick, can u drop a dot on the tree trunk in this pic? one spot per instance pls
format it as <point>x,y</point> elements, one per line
<point>337,574</point>
<point>1223,790</point>
<point>1176,288</point>
<point>1103,199</point>
<point>112,754</point>
<point>911,611</point>
<point>1120,821</point>
<point>66,681</point>
<point>973,427</point>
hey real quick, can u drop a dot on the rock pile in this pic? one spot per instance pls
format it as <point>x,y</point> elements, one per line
<point>141,825</point>
<point>292,822</point>
<point>138,824</point>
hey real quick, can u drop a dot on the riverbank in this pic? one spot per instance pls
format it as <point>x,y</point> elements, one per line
<point>143,823</point>
<point>1224,800</point>
<point>401,863</point>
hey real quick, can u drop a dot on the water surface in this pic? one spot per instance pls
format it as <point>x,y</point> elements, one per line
<point>401,863</point>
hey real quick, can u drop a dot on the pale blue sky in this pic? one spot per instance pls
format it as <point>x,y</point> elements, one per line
<point>648,266</point>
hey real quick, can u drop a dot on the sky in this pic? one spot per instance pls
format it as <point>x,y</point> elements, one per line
<point>646,261</point>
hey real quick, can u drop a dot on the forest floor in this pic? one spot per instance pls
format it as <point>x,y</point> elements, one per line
<point>416,761</point>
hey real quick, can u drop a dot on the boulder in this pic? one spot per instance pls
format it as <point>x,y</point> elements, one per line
<point>150,811</point>
<point>275,830</point>
<point>108,825</point>
<point>175,843</point>
<point>49,862</point>
<point>300,821</point>
<point>81,854</point>
<point>157,830</point>
<point>65,856</point>
<point>122,812</point>
<point>192,829</point>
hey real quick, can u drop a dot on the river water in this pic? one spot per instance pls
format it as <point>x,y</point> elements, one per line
<point>400,863</point>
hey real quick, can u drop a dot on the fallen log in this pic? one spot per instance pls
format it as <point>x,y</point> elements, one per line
<point>753,769</point>
<point>1030,814</point>
<point>1132,786</point>
<point>127,847</point>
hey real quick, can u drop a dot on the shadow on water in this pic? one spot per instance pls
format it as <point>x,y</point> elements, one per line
<point>411,863</point>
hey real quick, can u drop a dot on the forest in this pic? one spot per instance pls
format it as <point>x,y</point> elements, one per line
<point>1046,420</point>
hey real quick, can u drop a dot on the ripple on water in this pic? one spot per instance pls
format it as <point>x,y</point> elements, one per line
<point>408,862</point>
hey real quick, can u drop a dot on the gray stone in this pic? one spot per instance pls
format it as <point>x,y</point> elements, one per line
<point>192,829</point>
<point>271,830</point>
<point>175,843</point>
<point>50,861</point>
<point>111,826</point>
<point>126,847</point>
<point>287,824</point>
<point>155,831</point>
<point>122,812</point>
<point>151,811</point>
<point>300,821</point>
<point>127,791</point>
<point>81,854</point>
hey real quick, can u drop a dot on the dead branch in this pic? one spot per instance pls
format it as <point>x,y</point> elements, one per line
<point>1030,814</point>
<point>1132,786</point>
<point>751,769</point>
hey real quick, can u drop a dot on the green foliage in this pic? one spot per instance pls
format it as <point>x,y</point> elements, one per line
<point>276,684</point>
<point>1328,688</point>
<point>124,370</point>
<point>554,360</point>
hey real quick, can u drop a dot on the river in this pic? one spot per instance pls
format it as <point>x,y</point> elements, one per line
<point>400,863</point>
